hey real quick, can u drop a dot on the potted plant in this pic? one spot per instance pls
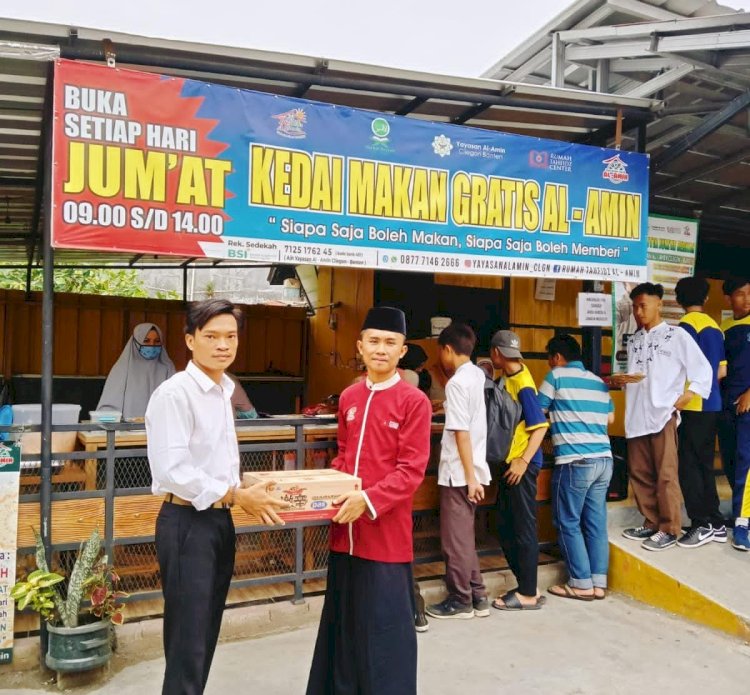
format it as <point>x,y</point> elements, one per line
<point>74,646</point>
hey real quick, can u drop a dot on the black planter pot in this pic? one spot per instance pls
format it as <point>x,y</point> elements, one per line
<point>79,648</point>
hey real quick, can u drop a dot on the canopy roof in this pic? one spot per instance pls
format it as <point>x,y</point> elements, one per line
<point>691,55</point>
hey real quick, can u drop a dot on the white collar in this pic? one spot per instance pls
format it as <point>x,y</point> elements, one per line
<point>206,382</point>
<point>383,385</point>
<point>657,327</point>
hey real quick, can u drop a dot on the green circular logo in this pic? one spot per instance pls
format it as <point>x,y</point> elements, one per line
<point>380,128</point>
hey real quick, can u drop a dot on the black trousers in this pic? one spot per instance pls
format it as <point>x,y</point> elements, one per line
<point>696,444</point>
<point>366,642</point>
<point>517,528</point>
<point>196,559</point>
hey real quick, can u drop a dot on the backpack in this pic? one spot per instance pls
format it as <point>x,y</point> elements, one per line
<point>503,416</point>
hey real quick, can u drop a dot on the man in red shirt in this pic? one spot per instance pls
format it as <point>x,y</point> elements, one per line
<point>366,642</point>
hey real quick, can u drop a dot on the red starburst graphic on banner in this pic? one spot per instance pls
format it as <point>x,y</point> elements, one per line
<point>135,168</point>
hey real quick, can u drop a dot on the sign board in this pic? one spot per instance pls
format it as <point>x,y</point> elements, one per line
<point>672,244</point>
<point>594,309</point>
<point>545,290</point>
<point>10,470</point>
<point>164,165</point>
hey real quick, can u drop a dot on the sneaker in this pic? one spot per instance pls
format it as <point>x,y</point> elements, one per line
<point>696,537</point>
<point>740,539</point>
<point>481,607</point>
<point>640,533</point>
<point>450,608</point>
<point>720,534</point>
<point>659,541</point>
<point>420,622</point>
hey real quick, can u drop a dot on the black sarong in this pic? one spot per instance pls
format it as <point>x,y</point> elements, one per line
<point>366,642</point>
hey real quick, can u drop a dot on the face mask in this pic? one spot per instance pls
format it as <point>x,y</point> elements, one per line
<point>425,381</point>
<point>149,352</point>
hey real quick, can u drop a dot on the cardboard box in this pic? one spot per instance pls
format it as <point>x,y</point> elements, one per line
<point>310,492</point>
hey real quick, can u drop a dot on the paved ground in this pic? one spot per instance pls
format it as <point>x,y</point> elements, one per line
<point>698,568</point>
<point>568,648</point>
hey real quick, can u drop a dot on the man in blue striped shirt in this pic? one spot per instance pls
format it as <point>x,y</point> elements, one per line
<point>580,410</point>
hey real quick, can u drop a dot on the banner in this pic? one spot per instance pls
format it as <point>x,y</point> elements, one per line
<point>672,245</point>
<point>10,471</point>
<point>152,164</point>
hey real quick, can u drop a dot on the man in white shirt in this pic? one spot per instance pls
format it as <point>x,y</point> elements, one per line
<point>462,475</point>
<point>662,359</point>
<point>194,459</point>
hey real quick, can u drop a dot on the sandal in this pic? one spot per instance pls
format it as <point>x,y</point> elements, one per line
<point>567,591</point>
<point>511,602</point>
<point>602,596</point>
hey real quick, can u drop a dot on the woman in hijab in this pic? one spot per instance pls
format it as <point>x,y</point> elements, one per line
<point>141,367</point>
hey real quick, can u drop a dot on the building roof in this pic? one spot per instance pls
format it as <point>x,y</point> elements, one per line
<point>693,56</point>
<point>27,49</point>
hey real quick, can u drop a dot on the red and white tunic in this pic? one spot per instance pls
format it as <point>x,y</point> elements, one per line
<point>383,438</point>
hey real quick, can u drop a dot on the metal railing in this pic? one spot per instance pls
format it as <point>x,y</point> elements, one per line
<point>115,471</point>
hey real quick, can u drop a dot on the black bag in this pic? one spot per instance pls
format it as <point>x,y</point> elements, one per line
<point>503,416</point>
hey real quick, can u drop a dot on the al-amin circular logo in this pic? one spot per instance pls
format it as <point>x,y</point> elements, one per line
<point>380,128</point>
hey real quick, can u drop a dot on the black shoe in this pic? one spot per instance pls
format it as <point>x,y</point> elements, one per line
<point>659,541</point>
<point>450,608</point>
<point>720,534</point>
<point>640,533</point>
<point>420,622</point>
<point>481,607</point>
<point>696,537</point>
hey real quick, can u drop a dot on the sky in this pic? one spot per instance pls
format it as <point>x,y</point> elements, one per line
<point>432,35</point>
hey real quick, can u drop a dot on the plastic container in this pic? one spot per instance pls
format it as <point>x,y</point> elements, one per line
<point>105,415</point>
<point>31,413</point>
<point>31,442</point>
<point>437,323</point>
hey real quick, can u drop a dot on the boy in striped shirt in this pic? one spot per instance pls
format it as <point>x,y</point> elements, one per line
<point>580,410</point>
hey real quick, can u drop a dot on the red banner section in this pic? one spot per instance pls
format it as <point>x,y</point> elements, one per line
<point>135,168</point>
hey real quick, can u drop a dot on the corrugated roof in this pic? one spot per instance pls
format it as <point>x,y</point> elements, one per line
<point>27,47</point>
<point>692,55</point>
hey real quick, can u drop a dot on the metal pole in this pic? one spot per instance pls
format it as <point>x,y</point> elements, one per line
<point>109,497</point>
<point>48,330</point>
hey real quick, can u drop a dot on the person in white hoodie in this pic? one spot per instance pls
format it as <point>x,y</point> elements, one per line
<point>666,370</point>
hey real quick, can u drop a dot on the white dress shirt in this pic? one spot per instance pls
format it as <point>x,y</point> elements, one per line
<point>670,359</point>
<point>465,411</point>
<point>192,444</point>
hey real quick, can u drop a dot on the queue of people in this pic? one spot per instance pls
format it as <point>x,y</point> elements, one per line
<point>384,422</point>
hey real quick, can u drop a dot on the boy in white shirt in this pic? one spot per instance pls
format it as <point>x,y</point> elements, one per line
<point>462,475</point>
<point>662,359</point>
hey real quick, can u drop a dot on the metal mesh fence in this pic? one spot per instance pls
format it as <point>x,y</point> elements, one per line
<point>265,553</point>
<point>137,566</point>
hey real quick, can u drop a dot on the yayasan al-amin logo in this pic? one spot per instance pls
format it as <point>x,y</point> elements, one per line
<point>441,145</point>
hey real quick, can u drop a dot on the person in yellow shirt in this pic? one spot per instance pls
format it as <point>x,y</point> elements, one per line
<point>516,492</point>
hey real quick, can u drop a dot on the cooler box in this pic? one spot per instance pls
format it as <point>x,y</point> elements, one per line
<point>310,492</point>
<point>31,442</point>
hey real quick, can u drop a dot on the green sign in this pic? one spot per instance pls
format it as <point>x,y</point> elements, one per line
<point>10,469</point>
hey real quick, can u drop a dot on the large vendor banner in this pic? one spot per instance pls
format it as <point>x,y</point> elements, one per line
<point>152,164</point>
<point>10,471</point>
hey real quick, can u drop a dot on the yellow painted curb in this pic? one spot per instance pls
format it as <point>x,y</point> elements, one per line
<point>629,575</point>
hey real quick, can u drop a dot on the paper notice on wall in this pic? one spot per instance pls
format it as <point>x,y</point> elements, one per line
<point>10,468</point>
<point>545,290</point>
<point>672,243</point>
<point>594,309</point>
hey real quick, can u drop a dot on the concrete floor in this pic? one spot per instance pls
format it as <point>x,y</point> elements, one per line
<point>567,648</point>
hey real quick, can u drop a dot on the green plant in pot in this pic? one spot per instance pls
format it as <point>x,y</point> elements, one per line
<point>75,645</point>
